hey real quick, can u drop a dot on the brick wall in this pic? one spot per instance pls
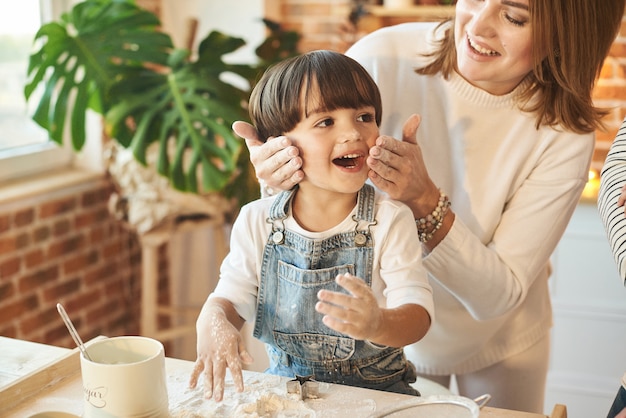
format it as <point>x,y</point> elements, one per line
<point>63,246</point>
<point>610,91</point>
<point>323,26</point>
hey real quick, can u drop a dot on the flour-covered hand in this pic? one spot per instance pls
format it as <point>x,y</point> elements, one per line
<point>219,346</point>
<point>356,314</point>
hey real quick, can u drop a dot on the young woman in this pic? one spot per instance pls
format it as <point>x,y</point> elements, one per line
<point>507,132</point>
<point>330,272</point>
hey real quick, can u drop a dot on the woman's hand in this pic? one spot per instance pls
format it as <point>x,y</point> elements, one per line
<point>397,168</point>
<point>219,346</point>
<point>276,162</point>
<point>357,314</point>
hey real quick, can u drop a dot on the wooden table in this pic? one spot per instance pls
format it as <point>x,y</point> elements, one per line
<point>37,378</point>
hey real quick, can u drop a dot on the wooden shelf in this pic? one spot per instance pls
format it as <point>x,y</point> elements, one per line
<point>420,12</point>
<point>380,16</point>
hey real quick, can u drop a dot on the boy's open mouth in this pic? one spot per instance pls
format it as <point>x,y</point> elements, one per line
<point>348,161</point>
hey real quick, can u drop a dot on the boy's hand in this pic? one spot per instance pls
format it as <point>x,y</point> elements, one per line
<point>219,346</point>
<point>357,314</point>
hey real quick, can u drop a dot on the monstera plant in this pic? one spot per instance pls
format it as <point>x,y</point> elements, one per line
<point>111,57</point>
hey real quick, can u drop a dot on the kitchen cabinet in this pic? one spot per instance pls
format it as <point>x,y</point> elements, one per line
<point>589,305</point>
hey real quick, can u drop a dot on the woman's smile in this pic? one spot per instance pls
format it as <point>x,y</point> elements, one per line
<point>479,49</point>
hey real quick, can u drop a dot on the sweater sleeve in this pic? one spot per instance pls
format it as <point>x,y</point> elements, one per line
<point>401,267</point>
<point>612,179</point>
<point>491,275</point>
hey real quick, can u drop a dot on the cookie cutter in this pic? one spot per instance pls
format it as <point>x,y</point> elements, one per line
<point>304,386</point>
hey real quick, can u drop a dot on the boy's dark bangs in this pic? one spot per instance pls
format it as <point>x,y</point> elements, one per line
<point>345,89</point>
<point>342,83</point>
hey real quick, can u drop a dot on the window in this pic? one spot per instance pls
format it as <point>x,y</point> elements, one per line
<point>24,147</point>
<point>18,24</point>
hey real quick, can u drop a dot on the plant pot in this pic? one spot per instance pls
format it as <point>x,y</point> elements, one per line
<point>145,200</point>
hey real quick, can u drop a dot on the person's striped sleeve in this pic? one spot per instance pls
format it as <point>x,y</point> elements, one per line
<point>613,178</point>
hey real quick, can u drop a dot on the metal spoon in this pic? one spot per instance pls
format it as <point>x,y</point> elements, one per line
<point>72,330</point>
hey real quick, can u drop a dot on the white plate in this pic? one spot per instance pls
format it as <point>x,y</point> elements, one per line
<point>436,406</point>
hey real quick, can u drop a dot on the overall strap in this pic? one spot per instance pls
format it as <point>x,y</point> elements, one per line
<point>364,211</point>
<point>365,204</point>
<point>281,204</point>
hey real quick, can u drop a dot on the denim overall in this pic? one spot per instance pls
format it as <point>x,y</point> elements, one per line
<point>294,269</point>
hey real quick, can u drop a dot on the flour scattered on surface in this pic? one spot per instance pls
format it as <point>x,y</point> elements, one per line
<point>264,396</point>
<point>274,405</point>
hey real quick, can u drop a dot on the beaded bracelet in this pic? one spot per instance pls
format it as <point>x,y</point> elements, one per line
<point>431,223</point>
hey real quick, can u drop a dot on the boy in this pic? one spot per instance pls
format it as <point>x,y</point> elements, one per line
<point>330,271</point>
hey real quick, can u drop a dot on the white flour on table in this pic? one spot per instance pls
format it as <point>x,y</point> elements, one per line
<point>264,396</point>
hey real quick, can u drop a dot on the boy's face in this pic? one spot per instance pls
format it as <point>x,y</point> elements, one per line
<point>334,146</point>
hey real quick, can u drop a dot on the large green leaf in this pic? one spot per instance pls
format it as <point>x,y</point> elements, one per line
<point>98,43</point>
<point>187,104</point>
<point>278,45</point>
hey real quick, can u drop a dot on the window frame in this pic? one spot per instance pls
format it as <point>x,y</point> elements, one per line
<point>39,159</point>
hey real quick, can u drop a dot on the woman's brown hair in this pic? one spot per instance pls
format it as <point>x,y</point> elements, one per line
<point>276,104</point>
<point>571,39</point>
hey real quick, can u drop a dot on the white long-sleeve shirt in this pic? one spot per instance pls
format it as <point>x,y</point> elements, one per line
<point>398,275</point>
<point>513,189</point>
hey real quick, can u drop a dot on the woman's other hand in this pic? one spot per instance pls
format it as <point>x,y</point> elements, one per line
<point>397,168</point>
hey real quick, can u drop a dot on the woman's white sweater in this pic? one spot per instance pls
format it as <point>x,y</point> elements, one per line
<point>513,188</point>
